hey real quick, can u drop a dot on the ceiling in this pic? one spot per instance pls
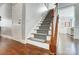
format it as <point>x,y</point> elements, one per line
<point>62,5</point>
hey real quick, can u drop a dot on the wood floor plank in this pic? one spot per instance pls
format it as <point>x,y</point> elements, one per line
<point>12,47</point>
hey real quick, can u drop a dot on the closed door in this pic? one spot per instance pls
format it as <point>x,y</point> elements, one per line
<point>17,21</point>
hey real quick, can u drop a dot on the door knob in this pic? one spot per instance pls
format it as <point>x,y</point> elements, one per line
<point>19,22</point>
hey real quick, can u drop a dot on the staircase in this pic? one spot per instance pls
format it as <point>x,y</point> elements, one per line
<point>47,31</point>
<point>43,32</point>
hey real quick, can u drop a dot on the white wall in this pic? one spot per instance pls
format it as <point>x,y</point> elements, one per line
<point>11,13</point>
<point>68,13</point>
<point>76,30</point>
<point>34,13</point>
<point>6,20</point>
<point>77,15</point>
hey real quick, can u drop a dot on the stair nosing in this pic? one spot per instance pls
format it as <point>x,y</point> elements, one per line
<point>45,21</point>
<point>43,25</point>
<point>37,40</point>
<point>41,34</point>
<point>42,29</point>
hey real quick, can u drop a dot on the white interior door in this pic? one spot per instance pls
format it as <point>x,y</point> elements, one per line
<point>17,21</point>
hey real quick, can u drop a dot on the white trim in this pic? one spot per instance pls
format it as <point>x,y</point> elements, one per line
<point>39,44</point>
<point>6,36</point>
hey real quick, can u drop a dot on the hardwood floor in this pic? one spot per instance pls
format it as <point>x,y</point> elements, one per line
<point>11,47</point>
<point>66,45</point>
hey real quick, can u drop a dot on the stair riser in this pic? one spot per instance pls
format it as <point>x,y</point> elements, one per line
<point>48,15</point>
<point>47,20</point>
<point>43,27</point>
<point>45,24</point>
<point>40,36</point>
<point>42,31</point>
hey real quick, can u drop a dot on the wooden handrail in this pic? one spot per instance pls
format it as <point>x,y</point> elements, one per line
<point>53,40</point>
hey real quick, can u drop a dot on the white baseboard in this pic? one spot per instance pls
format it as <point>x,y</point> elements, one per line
<point>39,44</point>
<point>9,37</point>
